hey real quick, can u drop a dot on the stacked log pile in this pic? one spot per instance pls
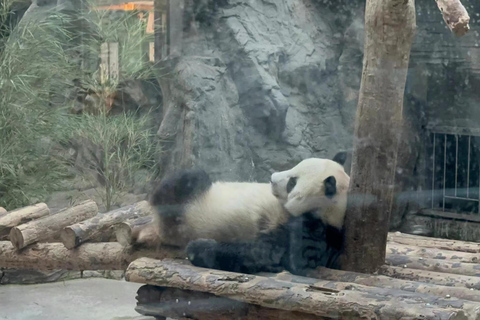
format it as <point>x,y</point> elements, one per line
<point>425,278</point>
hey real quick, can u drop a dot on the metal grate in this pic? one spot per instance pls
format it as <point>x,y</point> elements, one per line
<point>455,175</point>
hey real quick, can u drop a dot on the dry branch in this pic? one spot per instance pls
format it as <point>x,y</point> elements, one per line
<point>74,235</point>
<point>177,304</point>
<point>321,298</point>
<point>19,216</point>
<point>128,231</point>
<point>431,253</point>
<point>455,16</point>
<point>47,227</point>
<point>460,292</point>
<point>438,278</point>
<point>427,242</point>
<point>89,256</point>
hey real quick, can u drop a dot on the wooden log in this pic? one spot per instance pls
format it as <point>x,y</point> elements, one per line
<point>460,292</point>
<point>427,242</point>
<point>47,227</point>
<point>311,296</point>
<point>432,253</point>
<point>389,31</point>
<point>178,304</point>
<point>419,263</point>
<point>431,277</point>
<point>74,235</point>
<point>89,256</point>
<point>127,232</point>
<point>455,16</point>
<point>23,215</point>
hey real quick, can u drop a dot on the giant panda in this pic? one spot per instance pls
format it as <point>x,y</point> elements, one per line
<point>293,223</point>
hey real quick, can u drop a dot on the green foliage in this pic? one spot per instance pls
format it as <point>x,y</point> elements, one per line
<point>120,146</point>
<point>38,59</point>
<point>32,61</point>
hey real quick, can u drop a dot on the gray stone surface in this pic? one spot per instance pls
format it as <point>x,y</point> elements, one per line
<point>71,300</point>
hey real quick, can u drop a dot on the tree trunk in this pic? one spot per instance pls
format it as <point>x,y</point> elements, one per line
<point>430,253</point>
<point>47,227</point>
<point>444,244</point>
<point>179,304</point>
<point>23,215</point>
<point>389,31</point>
<point>74,235</point>
<point>128,231</point>
<point>321,298</point>
<point>455,288</point>
<point>438,278</point>
<point>89,256</point>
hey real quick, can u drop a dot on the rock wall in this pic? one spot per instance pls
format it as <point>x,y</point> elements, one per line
<point>260,86</point>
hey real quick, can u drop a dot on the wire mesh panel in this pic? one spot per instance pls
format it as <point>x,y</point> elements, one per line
<point>455,172</point>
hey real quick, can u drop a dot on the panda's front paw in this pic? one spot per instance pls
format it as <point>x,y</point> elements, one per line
<point>201,253</point>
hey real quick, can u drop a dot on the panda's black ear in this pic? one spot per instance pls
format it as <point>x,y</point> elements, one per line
<point>330,186</point>
<point>340,158</point>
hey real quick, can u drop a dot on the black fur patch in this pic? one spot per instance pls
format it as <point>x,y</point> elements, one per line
<point>340,158</point>
<point>330,186</point>
<point>180,188</point>
<point>301,244</point>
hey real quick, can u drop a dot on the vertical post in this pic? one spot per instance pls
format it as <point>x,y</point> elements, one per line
<point>175,26</point>
<point>389,31</point>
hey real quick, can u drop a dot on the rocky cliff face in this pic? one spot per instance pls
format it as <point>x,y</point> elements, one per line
<point>261,85</point>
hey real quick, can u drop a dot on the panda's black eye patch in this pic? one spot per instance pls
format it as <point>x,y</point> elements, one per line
<point>292,182</point>
<point>330,186</point>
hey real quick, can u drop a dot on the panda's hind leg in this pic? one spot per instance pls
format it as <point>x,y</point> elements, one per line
<point>170,199</point>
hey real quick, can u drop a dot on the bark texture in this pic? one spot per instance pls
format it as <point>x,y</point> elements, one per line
<point>178,304</point>
<point>23,215</point>
<point>455,16</point>
<point>76,234</point>
<point>47,227</point>
<point>436,243</point>
<point>311,296</point>
<point>438,278</point>
<point>389,31</point>
<point>431,253</point>
<point>89,256</point>
<point>460,291</point>
<point>128,231</point>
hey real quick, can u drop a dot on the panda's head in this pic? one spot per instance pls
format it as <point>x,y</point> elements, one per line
<point>315,185</point>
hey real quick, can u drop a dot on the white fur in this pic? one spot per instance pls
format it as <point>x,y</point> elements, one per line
<point>233,211</point>
<point>309,195</point>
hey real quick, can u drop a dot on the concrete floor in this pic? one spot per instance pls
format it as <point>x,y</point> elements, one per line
<point>81,299</point>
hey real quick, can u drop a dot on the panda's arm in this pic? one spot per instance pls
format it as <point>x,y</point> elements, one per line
<point>263,255</point>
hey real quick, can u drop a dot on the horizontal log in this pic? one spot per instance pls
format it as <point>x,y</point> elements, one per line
<point>437,265</point>
<point>177,304</point>
<point>127,232</point>
<point>89,256</point>
<point>19,216</point>
<point>385,282</point>
<point>50,226</point>
<point>431,277</point>
<point>312,296</point>
<point>427,242</point>
<point>74,235</point>
<point>432,253</point>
